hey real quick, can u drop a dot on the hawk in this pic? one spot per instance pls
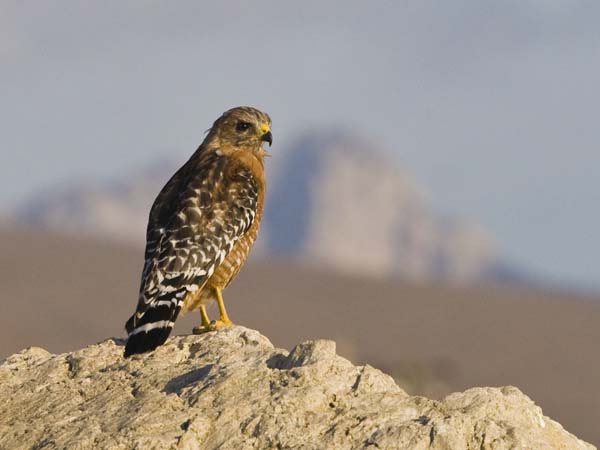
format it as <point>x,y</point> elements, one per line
<point>201,228</point>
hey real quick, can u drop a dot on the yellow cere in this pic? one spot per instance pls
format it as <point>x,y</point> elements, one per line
<point>264,128</point>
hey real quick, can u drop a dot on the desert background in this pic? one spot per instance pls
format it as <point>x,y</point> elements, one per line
<point>432,187</point>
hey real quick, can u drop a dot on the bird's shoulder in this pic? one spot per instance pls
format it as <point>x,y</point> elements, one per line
<point>206,181</point>
<point>222,175</point>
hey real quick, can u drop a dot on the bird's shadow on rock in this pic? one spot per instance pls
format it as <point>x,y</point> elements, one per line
<point>177,384</point>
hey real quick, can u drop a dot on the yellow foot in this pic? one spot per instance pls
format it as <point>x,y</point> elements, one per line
<point>213,326</point>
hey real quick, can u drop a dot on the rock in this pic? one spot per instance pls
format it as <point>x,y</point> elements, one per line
<point>233,390</point>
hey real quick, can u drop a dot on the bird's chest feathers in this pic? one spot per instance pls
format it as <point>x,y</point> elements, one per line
<point>235,259</point>
<point>253,161</point>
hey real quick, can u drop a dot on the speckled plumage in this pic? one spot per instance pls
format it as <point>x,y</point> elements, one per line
<point>202,226</point>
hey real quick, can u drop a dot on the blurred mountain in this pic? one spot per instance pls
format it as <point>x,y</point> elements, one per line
<point>340,201</point>
<point>335,200</point>
<point>115,209</point>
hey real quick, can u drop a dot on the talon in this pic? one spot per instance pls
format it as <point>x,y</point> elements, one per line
<point>206,323</point>
<point>201,329</point>
<point>218,324</point>
<point>214,325</point>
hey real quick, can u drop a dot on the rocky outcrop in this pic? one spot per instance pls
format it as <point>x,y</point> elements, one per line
<point>233,390</point>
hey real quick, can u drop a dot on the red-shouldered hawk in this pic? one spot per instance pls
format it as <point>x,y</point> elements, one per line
<point>201,228</point>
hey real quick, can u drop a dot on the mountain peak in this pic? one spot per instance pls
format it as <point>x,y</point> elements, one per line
<point>342,202</point>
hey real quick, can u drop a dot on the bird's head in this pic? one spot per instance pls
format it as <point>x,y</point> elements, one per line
<point>243,127</point>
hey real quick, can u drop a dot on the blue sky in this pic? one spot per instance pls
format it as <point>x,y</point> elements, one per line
<point>492,106</point>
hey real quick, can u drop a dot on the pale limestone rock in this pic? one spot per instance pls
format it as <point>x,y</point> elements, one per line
<point>233,390</point>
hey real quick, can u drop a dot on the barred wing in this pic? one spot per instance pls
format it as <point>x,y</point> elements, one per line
<point>188,237</point>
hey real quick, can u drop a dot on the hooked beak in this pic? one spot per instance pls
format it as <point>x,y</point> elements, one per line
<point>267,137</point>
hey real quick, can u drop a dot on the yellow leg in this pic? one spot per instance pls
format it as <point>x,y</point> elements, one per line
<point>224,317</point>
<point>206,324</point>
<point>204,316</point>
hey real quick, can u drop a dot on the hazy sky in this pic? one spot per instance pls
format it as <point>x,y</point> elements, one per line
<point>492,105</point>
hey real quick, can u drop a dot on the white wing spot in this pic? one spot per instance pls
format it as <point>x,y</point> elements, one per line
<point>151,326</point>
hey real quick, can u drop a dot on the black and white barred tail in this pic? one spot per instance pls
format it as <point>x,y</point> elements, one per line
<point>151,329</point>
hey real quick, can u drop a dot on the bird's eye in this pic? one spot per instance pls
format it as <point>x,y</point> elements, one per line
<point>242,126</point>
